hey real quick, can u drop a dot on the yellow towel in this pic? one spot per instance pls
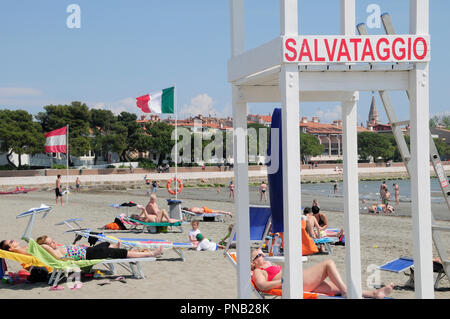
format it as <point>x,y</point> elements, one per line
<point>25,260</point>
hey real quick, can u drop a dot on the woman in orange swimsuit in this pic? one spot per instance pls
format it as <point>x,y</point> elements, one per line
<point>267,276</point>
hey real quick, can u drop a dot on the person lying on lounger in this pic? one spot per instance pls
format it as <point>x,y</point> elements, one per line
<point>99,251</point>
<point>267,276</point>
<point>13,246</point>
<point>152,214</point>
<point>206,210</point>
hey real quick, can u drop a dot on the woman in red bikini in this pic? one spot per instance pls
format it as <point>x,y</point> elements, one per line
<point>267,276</point>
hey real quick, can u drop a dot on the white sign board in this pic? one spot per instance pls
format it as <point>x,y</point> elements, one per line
<point>356,49</point>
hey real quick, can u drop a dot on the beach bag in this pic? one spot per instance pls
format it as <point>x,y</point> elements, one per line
<point>119,222</point>
<point>3,267</point>
<point>38,274</point>
<point>112,226</point>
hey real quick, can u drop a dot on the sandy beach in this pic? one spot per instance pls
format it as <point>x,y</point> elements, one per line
<point>209,274</point>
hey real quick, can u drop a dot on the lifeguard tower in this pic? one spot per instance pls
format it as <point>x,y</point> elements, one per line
<point>293,68</point>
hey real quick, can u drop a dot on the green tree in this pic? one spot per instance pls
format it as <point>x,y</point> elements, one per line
<point>375,145</point>
<point>136,139</point>
<point>160,140</point>
<point>20,134</point>
<point>397,157</point>
<point>309,146</point>
<point>109,135</point>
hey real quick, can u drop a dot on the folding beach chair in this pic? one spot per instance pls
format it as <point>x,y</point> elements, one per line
<point>64,267</point>
<point>402,264</point>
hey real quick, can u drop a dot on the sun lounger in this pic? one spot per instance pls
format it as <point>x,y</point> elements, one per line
<point>64,267</point>
<point>140,225</point>
<point>402,264</point>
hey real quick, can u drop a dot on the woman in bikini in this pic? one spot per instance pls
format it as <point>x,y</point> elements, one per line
<point>100,251</point>
<point>267,276</point>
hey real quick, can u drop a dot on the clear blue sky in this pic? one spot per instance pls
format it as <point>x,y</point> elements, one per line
<point>125,49</point>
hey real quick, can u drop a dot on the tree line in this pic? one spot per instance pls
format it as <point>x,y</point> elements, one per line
<point>101,131</point>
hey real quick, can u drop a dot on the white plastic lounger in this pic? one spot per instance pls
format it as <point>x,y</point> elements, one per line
<point>129,243</point>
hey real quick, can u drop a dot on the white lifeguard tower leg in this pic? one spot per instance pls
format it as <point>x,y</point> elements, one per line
<point>420,160</point>
<point>351,200</point>
<point>289,89</point>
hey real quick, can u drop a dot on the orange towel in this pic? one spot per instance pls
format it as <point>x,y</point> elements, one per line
<point>207,210</point>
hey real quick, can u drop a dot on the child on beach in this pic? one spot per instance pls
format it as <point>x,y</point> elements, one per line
<point>193,233</point>
<point>206,244</point>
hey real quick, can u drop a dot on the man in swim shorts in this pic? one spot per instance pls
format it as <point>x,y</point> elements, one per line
<point>205,210</point>
<point>58,192</point>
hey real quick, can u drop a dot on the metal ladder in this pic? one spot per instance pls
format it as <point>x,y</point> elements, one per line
<point>405,154</point>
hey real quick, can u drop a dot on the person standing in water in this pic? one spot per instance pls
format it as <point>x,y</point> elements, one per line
<point>397,193</point>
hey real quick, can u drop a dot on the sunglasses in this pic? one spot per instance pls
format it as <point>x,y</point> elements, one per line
<point>257,256</point>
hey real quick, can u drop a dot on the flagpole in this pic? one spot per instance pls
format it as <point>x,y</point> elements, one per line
<point>176,139</point>
<point>67,163</point>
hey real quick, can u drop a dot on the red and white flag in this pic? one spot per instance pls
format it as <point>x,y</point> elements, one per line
<point>56,141</point>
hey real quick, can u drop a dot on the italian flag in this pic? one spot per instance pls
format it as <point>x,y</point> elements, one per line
<point>158,102</point>
<point>56,141</point>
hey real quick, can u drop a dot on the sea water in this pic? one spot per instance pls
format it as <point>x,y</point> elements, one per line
<point>370,190</point>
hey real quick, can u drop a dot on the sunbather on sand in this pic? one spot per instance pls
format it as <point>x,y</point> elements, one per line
<point>100,251</point>
<point>206,210</point>
<point>152,214</point>
<point>267,276</point>
<point>312,227</point>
